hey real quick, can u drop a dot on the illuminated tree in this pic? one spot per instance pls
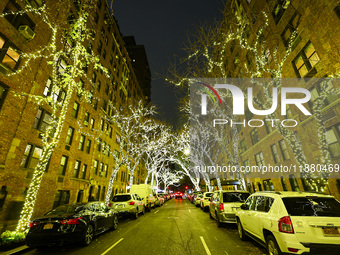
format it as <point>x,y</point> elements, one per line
<point>66,58</point>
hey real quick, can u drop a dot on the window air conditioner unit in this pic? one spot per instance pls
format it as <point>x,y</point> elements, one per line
<point>26,32</point>
<point>4,69</point>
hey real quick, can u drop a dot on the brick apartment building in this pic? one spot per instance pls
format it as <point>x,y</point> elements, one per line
<point>315,53</point>
<point>79,167</point>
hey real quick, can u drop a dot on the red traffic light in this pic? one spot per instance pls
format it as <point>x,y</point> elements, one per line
<point>186,187</point>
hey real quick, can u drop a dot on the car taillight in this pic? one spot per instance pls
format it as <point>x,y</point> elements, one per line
<point>181,194</point>
<point>34,223</point>
<point>293,250</point>
<point>221,207</point>
<point>132,203</point>
<point>109,205</point>
<point>71,221</point>
<point>285,225</point>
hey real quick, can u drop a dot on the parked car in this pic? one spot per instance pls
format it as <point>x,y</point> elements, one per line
<point>71,223</point>
<point>205,200</point>
<point>224,204</point>
<point>159,201</point>
<point>145,192</point>
<point>198,200</point>
<point>194,195</point>
<point>291,222</point>
<point>178,194</point>
<point>126,203</point>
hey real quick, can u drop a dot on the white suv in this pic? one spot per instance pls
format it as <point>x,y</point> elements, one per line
<point>291,222</point>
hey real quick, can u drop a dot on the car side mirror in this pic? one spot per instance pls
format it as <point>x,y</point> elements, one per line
<point>244,207</point>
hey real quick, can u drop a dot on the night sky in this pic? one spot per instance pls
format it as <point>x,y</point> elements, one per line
<point>162,26</point>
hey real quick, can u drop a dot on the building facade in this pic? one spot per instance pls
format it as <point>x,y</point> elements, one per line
<point>314,27</point>
<point>81,164</point>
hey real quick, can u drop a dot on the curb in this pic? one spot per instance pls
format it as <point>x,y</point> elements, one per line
<point>17,251</point>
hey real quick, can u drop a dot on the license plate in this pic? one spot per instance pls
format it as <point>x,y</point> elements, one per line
<point>48,226</point>
<point>120,206</point>
<point>330,231</point>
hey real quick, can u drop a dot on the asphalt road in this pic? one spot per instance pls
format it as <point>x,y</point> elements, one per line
<point>178,227</point>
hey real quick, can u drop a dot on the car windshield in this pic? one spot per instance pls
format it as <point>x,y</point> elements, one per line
<point>64,209</point>
<point>312,206</point>
<point>235,197</point>
<point>208,194</point>
<point>121,198</point>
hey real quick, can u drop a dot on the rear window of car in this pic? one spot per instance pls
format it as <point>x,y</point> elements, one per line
<point>121,198</point>
<point>208,194</point>
<point>235,197</point>
<point>64,209</point>
<point>312,206</point>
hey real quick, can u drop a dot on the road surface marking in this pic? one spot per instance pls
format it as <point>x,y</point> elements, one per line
<point>112,246</point>
<point>205,246</point>
<point>156,211</point>
<point>189,211</point>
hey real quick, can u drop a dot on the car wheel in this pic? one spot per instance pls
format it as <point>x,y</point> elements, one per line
<point>241,232</point>
<point>211,217</point>
<point>219,223</point>
<point>115,222</point>
<point>272,246</point>
<point>135,216</point>
<point>88,235</point>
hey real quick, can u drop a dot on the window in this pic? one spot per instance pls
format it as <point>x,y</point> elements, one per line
<point>268,185</point>
<point>263,204</point>
<point>101,124</point>
<point>259,160</point>
<point>99,145</point>
<point>63,164</point>
<point>284,149</point>
<point>268,55</point>
<point>3,93</point>
<point>103,194</point>
<point>243,146</point>
<point>305,61</point>
<point>88,146</point>
<point>95,104</point>
<point>75,110</point>
<point>96,17</point>
<point>269,127</point>
<point>61,197</point>
<point>92,124</point>
<point>15,18</point>
<point>81,142</point>
<point>101,166</point>
<point>107,89</point>
<point>275,153</point>
<point>290,28</point>
<point>95,167</point>
<point>31,156</point>
<point>333,141</point>
<point>69,136</point>
<point>94,78</point>
<point>104,54</point>
<point>318,89</point>
<point>43,120</point>
<point>76,169</point>
<point>83,171</point>
<point>9,55</point>
<point>59,94</point>
<point>86,119</point>
<point>110,132</point>
<point>283,183</point>
<point>100,46</point>
<point>337,10</point>
<point>254,136</point>
<point>62,66</point>
<point>248,114</point>
<point>293,183</point>
<point>278,11</point>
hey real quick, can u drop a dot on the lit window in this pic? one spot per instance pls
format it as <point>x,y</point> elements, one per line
<point>86,119</point>
<point>69,136</point>
<point>306,60</point>
<point>63,164</point>
<point>83,171</point>
<point>75,110</point>
<point>95,167</point>
<point>31,156</point>
<point>16,19</point>
<point>76,169</point>
<point>9,55</point>
<point>275,153</point>
<point>254,136</point>
<point>43,120</point>
<point>259,160</point>
<point>284,149</point>
<point>81,142</point>
<point>88,146</point>
<point>92,124</point>
<point>333,141</point>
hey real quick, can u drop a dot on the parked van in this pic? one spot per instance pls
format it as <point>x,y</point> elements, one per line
<point>146,193</point>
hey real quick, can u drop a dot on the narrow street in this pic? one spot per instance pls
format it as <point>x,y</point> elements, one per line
<point>178,227</point>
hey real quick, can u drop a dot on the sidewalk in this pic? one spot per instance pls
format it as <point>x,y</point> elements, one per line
<point>16,251</point>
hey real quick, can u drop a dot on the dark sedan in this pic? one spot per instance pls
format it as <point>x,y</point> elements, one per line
<point>72,223</point>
